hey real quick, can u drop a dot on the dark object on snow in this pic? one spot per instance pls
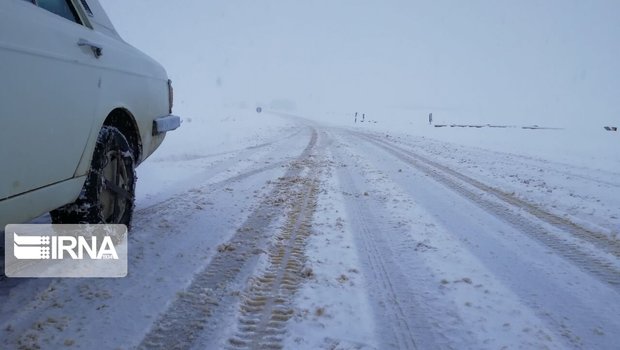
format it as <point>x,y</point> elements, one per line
<point>259,109</point>
<point>611,128</point>
<point>430,118</point>
<point>109,191</point>
<point>356,117</point>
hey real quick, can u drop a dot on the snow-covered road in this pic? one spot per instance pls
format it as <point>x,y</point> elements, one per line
<point>309,236</point>
<point>460,263</point>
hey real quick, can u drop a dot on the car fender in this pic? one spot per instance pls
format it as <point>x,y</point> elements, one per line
<point>139,86</point>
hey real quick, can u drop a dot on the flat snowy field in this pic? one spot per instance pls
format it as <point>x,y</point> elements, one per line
<point>270,230</point>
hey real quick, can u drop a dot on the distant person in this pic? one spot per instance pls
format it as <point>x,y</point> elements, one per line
<point>430,118</point>
<point>363,117</point>
<point>355,117</point>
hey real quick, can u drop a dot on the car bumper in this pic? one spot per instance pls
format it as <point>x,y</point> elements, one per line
<point>165,124</point>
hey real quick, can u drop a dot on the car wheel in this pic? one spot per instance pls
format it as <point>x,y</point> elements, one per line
<point>109,191</point>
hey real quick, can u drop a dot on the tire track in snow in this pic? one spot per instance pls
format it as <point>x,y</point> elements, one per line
<point>603,270</point>
<point>193,311</point>
<point>400,327</point>
<point>218,167</point>
<point>266,306</point>
<point>569,170</point>
<point>231,152</point>
<point>183,197</point>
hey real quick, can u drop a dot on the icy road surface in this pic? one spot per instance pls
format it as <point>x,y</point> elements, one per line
<point>305,236</point>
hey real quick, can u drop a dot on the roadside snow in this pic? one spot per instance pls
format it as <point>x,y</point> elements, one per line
<point>219,138</point>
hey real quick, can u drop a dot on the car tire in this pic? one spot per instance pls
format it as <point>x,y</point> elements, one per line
<point>109,191</point>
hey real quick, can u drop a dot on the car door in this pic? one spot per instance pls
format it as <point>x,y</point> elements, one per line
<point>48,93</point>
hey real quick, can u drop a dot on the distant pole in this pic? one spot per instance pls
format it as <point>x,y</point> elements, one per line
<point>363,117</point>
<point>355,117</point>
<point>430,118</point>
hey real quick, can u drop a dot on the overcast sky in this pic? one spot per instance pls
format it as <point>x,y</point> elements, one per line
<point>552,62</point>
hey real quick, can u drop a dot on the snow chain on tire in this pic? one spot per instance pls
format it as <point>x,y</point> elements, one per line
<point>109,191</point>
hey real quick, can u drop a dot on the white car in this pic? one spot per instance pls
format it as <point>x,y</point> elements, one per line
<point>79,110</point>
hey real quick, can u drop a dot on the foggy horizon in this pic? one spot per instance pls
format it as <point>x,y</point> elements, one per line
<point>551,63</point>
